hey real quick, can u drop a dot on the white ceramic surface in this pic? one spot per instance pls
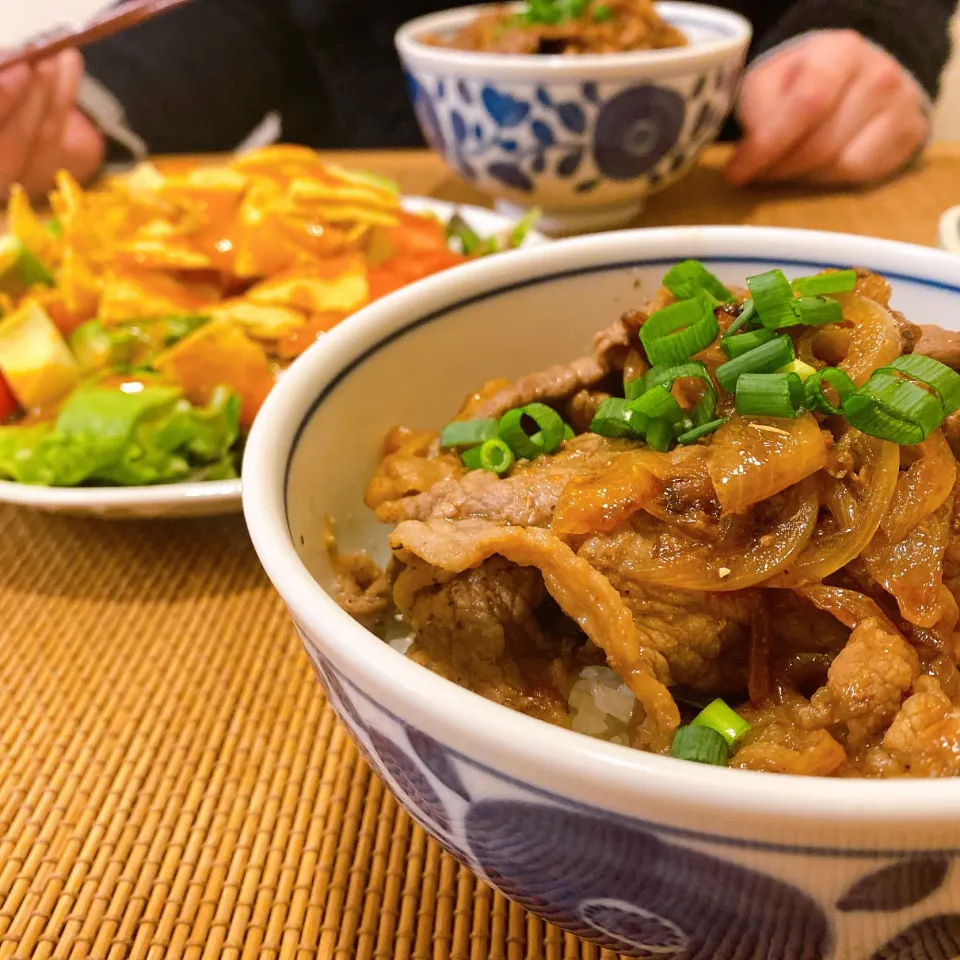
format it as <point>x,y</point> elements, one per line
<point>645,854</point>
<point>586,138</point>
<point>214,497</point>
<point>948,231</point>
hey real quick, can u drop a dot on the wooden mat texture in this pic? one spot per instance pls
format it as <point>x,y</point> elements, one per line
<point>172,782</point>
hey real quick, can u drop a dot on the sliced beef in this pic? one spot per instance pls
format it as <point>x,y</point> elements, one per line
<point>868,680</point>
<point>411,464</point>
<point>583,594</point>
<point>479,630</point>
<point>942,345</point>
<point>364,587</point>
<point>925,734</point>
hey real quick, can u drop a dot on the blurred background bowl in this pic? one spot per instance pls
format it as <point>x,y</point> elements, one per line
<point>586,138</point>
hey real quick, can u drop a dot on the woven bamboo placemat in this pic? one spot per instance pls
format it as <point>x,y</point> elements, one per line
<point>172,781</point>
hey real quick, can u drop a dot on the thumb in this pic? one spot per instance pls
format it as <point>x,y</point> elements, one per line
<point>14,85</point>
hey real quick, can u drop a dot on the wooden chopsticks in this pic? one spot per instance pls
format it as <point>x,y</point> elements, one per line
<point>111,21</point>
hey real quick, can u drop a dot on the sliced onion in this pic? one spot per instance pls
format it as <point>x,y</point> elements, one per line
<point>823,346</point>
<point>850,607</point>
<point>922,488</point>
<point>871,484</point>
<point>911,570</point>
<point>875,339</point>
<point>644,551</point>
<point>751,460</point>
<point>604,500</point>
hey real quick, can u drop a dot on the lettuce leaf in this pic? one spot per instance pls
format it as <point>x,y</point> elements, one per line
<point>108,437</point>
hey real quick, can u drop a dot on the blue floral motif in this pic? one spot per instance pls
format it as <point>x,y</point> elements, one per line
<point>703,121</point>
<point>465,95</point>
<point>636,129</point>
<point>587,185</point>
<point>898,885</point>
<point>544,97</point>
<point>459,126</point>
<point>504,109</point>
<point>543,133</point>
<point>510,175</point>
<point>631,891</point>
<point>572,116</point>
<point>437,760</point>
<point>590,92</point>
<point>934,938</point>
<point>426,115</point>
<point>569,163</point>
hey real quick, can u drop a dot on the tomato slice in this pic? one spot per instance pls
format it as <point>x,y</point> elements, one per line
<point>8,402</point>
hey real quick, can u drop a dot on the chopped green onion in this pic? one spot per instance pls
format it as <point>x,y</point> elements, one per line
<point>496,456</point>
<point>766,358</point>
<point>658,403</point>
<point>817,311</point>
<point>660,435</point>
<point>471,459</point>
<point>701,745</point>
<point>568,433</point>
<point>718,716</point>
<point>936,375</point>
<point>691,278</point>
<point>458,229</point>
<point>667,375</point>
<point>615,419</point>
<point>839,281</point>
<point>467,433</point>
<point>679,331</point>
<point>602,13</point>
<point>692,436</point>
<point>633,389</point>
<point>891,408</point>
<point>803,370</point>
<point>527,446</point>
<point>734,346</point>
<point>816,399</point>
<point>769,395</point>
<point>772,297</point>
<point>54,227</point>
<point>747,314</point>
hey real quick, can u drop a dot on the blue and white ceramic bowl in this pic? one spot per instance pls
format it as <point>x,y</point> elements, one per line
<point>585,138</point>
<point>650,856</point>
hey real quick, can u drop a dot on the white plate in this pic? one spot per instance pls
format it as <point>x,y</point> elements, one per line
<point>214,497</point>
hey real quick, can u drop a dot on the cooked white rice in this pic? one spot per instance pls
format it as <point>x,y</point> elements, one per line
<point>601,705</point>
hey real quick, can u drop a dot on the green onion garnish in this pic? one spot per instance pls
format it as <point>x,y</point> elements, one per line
<point>523,226</point>
<point>471,459</point>
<point>527,446</point>
<point>817,311</point>
<point>679,331</point>
<point>692,436</point>
<point>658,403</point>
<point>459,229</point>
<point>633,389</point>
<point>568,433</point>
<point>602,13</point>
<point>701,745</point>
<point>718,716</point>
<point>766,358</point>
<point>614,418</point>
<point>691,278</point>
<point>816,399</point>
<point>734,346</point>
<point>770,395</point>
<point>667,375</point>
<point>772,297</point>
<point>496,456</point>
<point>747,314</point>
<point>936,375</point>
<point>660,434</point>
<point>891,408</point>
<point>840,281</point>
<point>803,370</point>
<point>467,433</point>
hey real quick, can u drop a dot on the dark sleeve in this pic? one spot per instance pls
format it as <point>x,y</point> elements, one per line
<point>200,78</point>
<point>916,32</point>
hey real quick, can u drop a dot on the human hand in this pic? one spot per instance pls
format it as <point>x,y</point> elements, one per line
<point>41,129</point>
<point>831,109</point>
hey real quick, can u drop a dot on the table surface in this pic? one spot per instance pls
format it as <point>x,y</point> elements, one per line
<point>172,782</point>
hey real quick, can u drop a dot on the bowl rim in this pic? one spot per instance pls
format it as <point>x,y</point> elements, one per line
<point>745,797</point>
<point>557,66</point>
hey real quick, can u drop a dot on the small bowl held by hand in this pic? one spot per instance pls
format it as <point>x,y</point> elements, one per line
<point>584,137</point>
